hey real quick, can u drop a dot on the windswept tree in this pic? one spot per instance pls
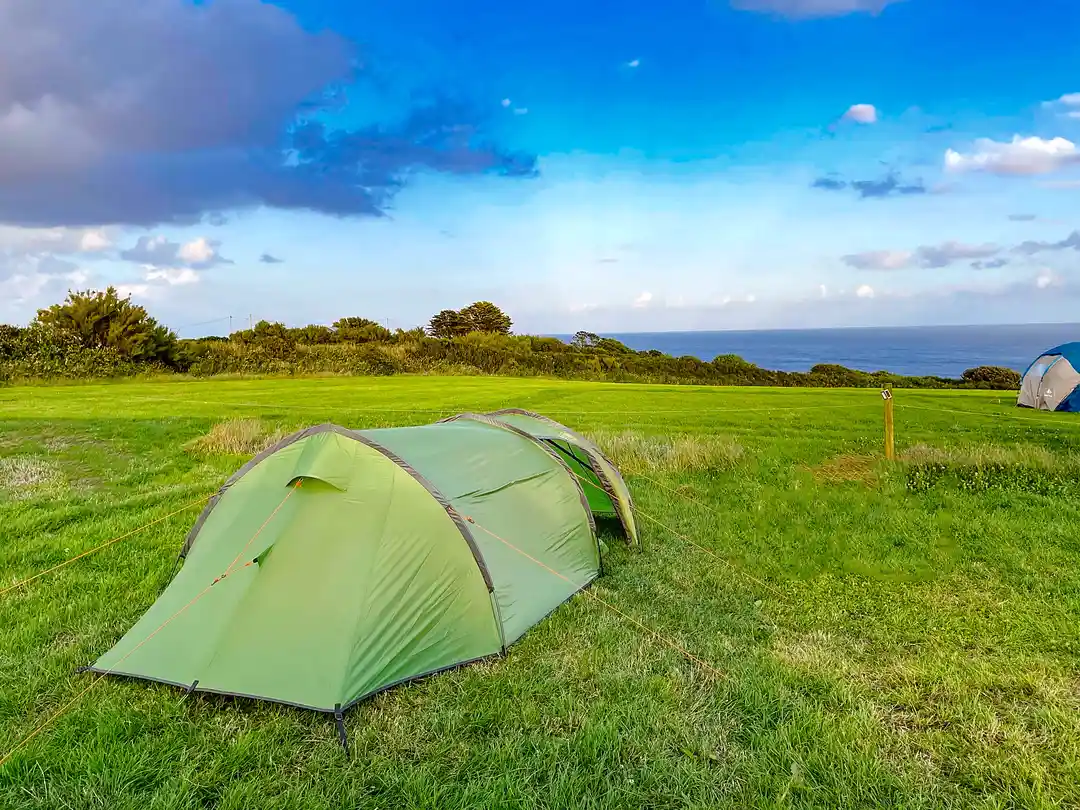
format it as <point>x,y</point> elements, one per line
<point>102,319</point>
<point>585,340</point>
<point>484,316</point>
<point>447,324</point>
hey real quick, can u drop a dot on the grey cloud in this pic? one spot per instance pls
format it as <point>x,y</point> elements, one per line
<point>948,252</point>
<point>925,256</point>
<point>1030,248</point>
<point>990,265</point>
<point>887,186</point>
<point>878,259</point>
<point>266,258</point>
<point>200,254</point>
<point>1023,217</point>
<point>181,111</point>
<point>13,263</point>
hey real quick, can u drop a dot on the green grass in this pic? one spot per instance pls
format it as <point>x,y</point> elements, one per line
<point>900,636</point>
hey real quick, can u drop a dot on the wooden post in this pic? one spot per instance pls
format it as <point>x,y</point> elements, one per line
<point>890,451</point>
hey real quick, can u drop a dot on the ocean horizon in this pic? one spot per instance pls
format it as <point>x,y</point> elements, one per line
<point>945,351</point>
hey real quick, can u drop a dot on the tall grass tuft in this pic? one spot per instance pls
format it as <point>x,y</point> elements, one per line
<point>237,437</point>
<point>25,476</point>
<point>634,453</point>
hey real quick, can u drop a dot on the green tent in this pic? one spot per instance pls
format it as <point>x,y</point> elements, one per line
<point>339,563</point>
<point>604,487</point>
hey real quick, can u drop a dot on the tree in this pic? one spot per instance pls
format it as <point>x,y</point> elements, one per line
<point>447,324</point>
<point>484,316</point>
<point>313,334</point>
<point>996,377</point>
<point>585,340</point>
<point>361,330</point>
<point>353,323</point>
<point>105,320</point>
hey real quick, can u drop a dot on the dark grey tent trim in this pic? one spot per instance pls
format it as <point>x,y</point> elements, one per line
<point>487,420</point>
<point>588,446</point>
<point>189,688</point>
<point>592,453</point>
<point>461,525</point>
<point>598,471</point>
<point>189,540</point>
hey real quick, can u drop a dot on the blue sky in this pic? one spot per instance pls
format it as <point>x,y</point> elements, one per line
<point>695,164</point>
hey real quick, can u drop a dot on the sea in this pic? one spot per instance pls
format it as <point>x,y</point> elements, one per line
<point>944,351</point>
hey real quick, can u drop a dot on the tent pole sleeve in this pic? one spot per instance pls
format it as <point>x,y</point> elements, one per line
<point>339,721</point>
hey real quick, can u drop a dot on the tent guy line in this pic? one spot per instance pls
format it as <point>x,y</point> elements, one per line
<point>102,675</point>
<point>582,589</point>
<point>639,511</point>
<point>309,465</point>
<point>103,546</point>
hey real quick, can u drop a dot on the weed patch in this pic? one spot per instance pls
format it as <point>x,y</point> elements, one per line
<point>237,437</point>
<point>633,452</point>
<point>1033,470</point>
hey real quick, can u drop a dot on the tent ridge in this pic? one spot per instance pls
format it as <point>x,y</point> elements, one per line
<point>435,493</point>
<point>489,420</point>
<point>329,427</point>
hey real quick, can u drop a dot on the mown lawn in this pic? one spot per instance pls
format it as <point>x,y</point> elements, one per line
<point>900,636</point>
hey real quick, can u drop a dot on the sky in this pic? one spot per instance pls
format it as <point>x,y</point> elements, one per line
<point>639,166</point>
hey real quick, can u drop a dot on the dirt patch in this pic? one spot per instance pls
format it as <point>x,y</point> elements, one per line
<point>848,469</point>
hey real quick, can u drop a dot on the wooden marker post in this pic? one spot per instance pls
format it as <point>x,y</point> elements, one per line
<point>890,452</point>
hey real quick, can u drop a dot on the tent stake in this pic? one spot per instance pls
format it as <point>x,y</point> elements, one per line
<point>339,721</point>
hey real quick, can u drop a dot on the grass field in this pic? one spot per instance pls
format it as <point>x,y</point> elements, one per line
<point>901,635</point>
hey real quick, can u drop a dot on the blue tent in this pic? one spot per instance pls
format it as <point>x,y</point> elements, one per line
<point>1052,382</point>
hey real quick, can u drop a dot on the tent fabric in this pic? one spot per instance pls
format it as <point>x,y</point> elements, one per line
<point>1051,381</point>
<point>358,560</point>
<point>607,492</point>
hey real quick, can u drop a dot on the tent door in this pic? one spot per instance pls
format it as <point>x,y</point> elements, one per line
<point>1040,401</point>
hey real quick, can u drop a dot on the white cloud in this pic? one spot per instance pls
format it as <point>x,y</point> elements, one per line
<point>94,241</point>
<point>200,253</point>
<point>823,290</point>
<point>506,102</point>
<point>862,114</point>
<point>521,111</point>
<point>865,291</point>
<point>173,276</point>
<point>1020,156</point>
<point>643,300</point>
<point>1047,278</point>
<point>54,240</point>
<point>197,251</point>
<point>133,290</point>
<point>1068,105</point>
<point>634,63</point>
